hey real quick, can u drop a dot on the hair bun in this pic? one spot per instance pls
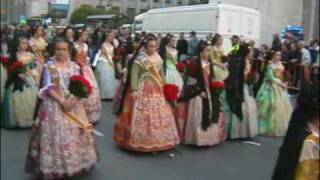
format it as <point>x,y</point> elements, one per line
<point>309,96</point>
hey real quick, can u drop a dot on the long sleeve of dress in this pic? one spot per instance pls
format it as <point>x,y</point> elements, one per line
<point>135,74</point>
<point>269,76</point>
<point>46,84</point>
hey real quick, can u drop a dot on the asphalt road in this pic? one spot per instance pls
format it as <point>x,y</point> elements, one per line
<point>228,161</point>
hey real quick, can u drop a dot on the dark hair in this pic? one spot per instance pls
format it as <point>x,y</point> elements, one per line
<point>273,52</point>
<point>265,46</point>
<point>104,37</point>
<point>65,31</point>
<point>144,43</point>
<point>202,45</point>
<point>162,49</point>
<point>79,33</point>
<point>235,37</point>
<point>307,109</point>
<point>215,39</point>
<point>208,116</point>
<point>35,28</point>
<point>193,33</point>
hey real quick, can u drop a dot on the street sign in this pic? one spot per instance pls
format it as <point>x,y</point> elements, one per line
<point>23,19</point>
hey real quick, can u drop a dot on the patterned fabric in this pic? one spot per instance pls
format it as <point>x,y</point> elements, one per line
<point>274,107</point>
<point>146,124</point>
<point>92,104</point>
<point>308,167</point>
<point>58,148</point>
<point>18,106</point>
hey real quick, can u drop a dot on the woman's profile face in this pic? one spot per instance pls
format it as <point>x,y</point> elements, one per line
<point>172,42</point>
<point>84,36</point>
<point>206,53</point>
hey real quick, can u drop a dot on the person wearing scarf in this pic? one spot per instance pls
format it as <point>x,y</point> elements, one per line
<point>205,121</point>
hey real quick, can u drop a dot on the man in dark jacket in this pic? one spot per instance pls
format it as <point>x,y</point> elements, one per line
<point>182,47</point>
<point>276,43</point>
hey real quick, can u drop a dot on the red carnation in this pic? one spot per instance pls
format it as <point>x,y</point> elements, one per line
<point>171,92</point>
<point>17,67</point>
<point>180,66</point>
<point>79,86</point>
<point>192,67</point>
<point>5,60</point>
<point>216,85</point>
<point>119,51</point>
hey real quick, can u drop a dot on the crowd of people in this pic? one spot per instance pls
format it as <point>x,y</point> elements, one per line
<point>166,91</point>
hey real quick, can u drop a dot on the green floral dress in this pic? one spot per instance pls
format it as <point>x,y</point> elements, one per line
<point>274,107</point>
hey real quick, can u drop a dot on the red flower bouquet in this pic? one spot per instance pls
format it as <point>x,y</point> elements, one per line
<point>217,84</point>
<point>180,66</point>
<point>171,92</point>
<point>118,54</point>
<point>80,86</point>
<point>5,61</point>
<point>16,68</point>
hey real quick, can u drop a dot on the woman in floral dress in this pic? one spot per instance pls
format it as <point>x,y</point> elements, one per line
<point>93,103</point>
<point>146,122</point>
<point>58,148</point>
<point>21,89</point>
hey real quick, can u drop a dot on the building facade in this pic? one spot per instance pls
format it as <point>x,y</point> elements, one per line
<point>15,10</point>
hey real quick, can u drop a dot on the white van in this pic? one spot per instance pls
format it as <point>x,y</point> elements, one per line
<point>224,19</point>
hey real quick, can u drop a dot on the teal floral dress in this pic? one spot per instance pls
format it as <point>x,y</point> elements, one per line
<point>274,107</point>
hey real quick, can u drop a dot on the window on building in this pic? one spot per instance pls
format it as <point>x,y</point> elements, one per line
<point>168,1</point>
<point>156,1</point>
<point>179,2</point>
